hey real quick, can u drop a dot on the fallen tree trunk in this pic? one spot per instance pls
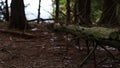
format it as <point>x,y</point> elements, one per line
<point>18,33</point>
<point>104,36</point>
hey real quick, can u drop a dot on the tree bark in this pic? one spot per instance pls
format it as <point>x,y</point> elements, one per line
<point>75,11</point>
<point>68,12</point>
<point>18,19</point>
<point>57,11</point>
<point>38,20</point>
<point>7,11</point>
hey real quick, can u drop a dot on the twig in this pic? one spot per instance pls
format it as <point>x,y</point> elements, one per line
<point>84,60</point>
<point>111,55</point>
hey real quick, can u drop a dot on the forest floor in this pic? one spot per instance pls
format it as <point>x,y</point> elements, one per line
<point>49,50</point>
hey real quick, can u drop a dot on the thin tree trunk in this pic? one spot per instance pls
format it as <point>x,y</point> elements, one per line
<point>75,11</point>
<point>84,10</point>
<point>39,12</point>
<point>68,12</point>
<point>57,11</point>
<point>7,11</point>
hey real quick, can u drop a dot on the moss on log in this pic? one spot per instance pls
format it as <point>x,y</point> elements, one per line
<point>99,34</point>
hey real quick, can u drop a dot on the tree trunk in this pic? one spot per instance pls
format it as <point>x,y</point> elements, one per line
<point>38,20</point>
<point>75,11</point>
<point>57,10</point>
<point>109,15</point>
<point>84,12</point>
<point>7,11</point>
<point>18,19</point>
<point>68,12</point>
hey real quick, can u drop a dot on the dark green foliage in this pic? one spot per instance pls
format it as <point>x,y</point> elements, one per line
<point>96,10</point>
<point>62,12</point>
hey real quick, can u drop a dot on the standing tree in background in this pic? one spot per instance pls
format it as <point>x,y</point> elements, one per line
<point>18,19</point>
<point>6,14</point>
<point>84,12</point>
<point>109,15</point>
<point>76,11</point>
<point>68,16</point>
<point>38,20</point>
<point>57,10</point>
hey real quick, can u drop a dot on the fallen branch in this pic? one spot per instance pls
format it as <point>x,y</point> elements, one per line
<point>85,59</point>
<point>41,19</point>
<point>18,33</point>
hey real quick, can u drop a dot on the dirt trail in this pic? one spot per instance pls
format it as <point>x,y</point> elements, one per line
<point>48,50</point>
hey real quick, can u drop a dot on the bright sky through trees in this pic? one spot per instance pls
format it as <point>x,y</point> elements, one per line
<point>32,8</point>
